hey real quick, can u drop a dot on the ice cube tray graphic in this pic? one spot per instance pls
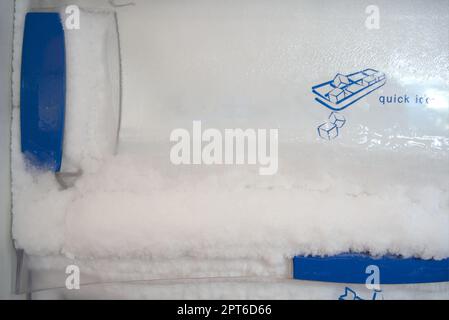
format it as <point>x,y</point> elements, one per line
<point>344,90</point>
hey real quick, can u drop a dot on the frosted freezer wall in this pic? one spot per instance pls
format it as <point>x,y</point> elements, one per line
<point>6,250</point>
<point>361,115</point>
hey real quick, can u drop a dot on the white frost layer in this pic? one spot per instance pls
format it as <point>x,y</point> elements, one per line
<point>139,205</point>
<point>135,206</point>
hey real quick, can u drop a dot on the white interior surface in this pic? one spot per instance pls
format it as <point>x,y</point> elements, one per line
<point>240,289</point>
<point>380,187</point>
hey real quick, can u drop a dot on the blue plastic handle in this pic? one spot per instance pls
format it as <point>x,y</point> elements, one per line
<point>352,268</point>
<point>42,90</point>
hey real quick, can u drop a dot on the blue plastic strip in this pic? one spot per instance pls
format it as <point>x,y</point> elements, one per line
<point>352,268</point>
<point>42,90</point>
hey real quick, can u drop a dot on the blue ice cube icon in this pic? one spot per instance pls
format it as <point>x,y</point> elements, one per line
<point>367,81</point>
<point>344,90</point>
<point>357,77</point>
<point>340,81</point>
<point>338,119</point>
<point>331,129</point>
<point>328,131</point>
<point>337,95</point>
